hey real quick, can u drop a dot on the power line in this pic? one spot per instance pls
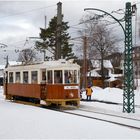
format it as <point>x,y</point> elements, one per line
<point>20,13</point>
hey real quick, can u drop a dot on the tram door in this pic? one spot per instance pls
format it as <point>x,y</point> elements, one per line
<point>43,84</point>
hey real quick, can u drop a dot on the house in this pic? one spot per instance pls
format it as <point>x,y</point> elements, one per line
<point>136,65</point>
<point>108,68</point>
<point>111,79</point>
<point>115,59</point>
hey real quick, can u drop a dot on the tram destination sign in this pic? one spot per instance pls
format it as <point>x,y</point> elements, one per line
<point>71,87</point>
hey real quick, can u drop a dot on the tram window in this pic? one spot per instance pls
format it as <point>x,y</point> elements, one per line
<point>75,76</point>
<point>25,77</point>
<point>49,76</point>
<point>10,77</point>
<point>34,76</point>
<point>66,73</point>
<point>70,76</point>
<point>43,75</point>
<point>58,76</point>
<point>17,77</point>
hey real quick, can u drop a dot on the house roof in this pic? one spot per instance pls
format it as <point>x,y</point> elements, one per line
<point>14,63</point>
<point>2,67</point>
<point>93,73</point>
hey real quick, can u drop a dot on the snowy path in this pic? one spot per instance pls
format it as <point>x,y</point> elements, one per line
<point>111,118</point>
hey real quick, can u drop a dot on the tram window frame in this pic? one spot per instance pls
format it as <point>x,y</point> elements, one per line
<point>43,75</point>
<point>34,76</point>
<point>75,76</point>
<point>70,76</point>
<point>11,77</point>
<point>58,76</point>
<point>49,76</point>
<point>17,77</point>
<point>25,77</point>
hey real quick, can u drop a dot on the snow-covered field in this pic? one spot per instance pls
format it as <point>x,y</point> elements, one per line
<point>112,95</point>
<point>19,121</point>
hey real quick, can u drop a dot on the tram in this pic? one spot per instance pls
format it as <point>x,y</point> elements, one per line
<point>55,82</point>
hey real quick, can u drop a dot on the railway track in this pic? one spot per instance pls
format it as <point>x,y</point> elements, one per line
<point>109,114</point>
<point>108,102</point>
<point>100,116</point>
<point>103,117</point>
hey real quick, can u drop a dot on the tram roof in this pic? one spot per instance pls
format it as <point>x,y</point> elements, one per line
<point>54,64</point>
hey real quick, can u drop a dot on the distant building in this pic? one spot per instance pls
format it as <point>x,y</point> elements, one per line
<point>115,59</point>
<point>136,65</point>
<point>108,68</point>
<point>111,79</point>
<point>1,74</point>
<point>2,67</point>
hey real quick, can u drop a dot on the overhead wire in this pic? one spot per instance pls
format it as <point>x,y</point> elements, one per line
<point>72,26</point>
<point>20,13</point>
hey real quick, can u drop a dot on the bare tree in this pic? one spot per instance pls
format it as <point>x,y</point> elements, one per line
<point>27,56</point>
<point>101,41</point>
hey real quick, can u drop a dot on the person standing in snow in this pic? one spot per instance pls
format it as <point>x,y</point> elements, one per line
<point>89,93</point>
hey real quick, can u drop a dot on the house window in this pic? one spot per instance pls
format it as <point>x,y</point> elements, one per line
<point>17,77</point>
<point>25,77</point>
<point>11,77</point>
<point>34,76</point>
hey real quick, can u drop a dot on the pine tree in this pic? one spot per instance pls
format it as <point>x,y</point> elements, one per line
<point>49,36</point>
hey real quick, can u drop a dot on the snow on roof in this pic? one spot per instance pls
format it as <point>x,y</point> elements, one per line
<point>2,67</point>
<point>97,64</point>
<point>115,75</point>
<point>14,63</point>
<point>93,73</point>
<point>57,64</point>
<point>111,79</point>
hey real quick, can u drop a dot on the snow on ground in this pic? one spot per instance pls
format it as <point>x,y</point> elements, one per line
<point>114,95</point>
<point>18,121</point>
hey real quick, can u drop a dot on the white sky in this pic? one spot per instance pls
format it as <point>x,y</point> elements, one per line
<point>20,19</point>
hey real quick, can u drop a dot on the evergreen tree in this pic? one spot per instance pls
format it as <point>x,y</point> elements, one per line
<point>49,37</point>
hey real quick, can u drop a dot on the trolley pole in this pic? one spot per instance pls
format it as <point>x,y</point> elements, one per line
<point>58,32</point>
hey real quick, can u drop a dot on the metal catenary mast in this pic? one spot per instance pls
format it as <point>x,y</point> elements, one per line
<point>128,93</point>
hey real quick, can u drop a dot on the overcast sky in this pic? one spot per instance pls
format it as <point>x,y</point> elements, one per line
<point>22,19</point>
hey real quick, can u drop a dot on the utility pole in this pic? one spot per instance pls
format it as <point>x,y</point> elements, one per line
<point>84,62</point>
<point>58,34</point>
<point>45,21</point>
<point>44,51</point>
<point>128,93</point>
<point>7,61</point>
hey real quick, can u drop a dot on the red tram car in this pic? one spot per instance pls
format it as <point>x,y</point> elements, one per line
<point>55,82</point>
